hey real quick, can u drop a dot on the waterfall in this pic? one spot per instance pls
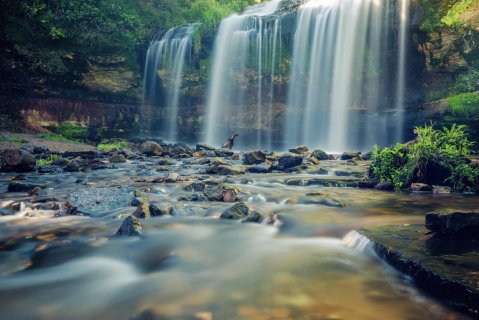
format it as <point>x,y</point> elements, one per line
<point>339,92</point>
<point>347,75</point>
<point>165,62</point>
<point>245,48</point>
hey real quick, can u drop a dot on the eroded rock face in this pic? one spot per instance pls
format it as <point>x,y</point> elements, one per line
<point>17,160</point>
<point>461,224</point>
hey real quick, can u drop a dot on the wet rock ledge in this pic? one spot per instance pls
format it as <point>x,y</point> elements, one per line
<point>443,265</point>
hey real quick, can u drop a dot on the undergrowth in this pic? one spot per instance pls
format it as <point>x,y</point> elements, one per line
<point>435,156</point>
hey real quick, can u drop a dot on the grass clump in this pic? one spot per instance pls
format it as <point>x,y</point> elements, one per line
<point>107,147</point>
<point>52,137</point>
<point>44,162</point>
<point>72,131</point>
<point>66,131</point>
<point>465,104</point>
<point>434,157</point>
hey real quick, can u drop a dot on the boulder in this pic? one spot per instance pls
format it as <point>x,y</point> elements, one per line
<point>201,146</point>
<point>172,177</point>
<point>118,158</point>
<point>98,201</point>
<point>320,155</point>
<point>204,154</point>
<point>289,160</point>
<point>81,154</point>
<point>213,190</point>
<point>462,224</point>
<point>130,227</point>
<point>299,149</point>
<point>17,160</point>
<point>229,195</point>
<point>180,150</point>
<point>385,186</point>
<point>151,148</point>
<point>49,170</point>
<point>420,187</point>
<point>350,155</point>
<point>24,186</point>
<point>254,216</point>
<point>193,197</point>
<point>254,157</point>
<point>40,150</point>
<point>231,170</point>
<point>224,153</point>
<point>236,212</point>
<point>61,162</point>
<point>260,168</point>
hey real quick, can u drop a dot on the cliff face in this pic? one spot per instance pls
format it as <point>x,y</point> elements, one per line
<point>448,52</point>
<point>31,76</point>
<point>41,72</point>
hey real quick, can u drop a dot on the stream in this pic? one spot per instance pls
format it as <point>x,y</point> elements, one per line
<point>196,266</point>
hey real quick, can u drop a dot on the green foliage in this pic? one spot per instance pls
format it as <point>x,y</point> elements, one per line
<point>465,104</point>
<point>389,164</point>
<point>66,131</point>
<point>43,162</point>
<point>440,13</point>
<point>52,137</point>
<point>113,145</point>
<point>107,25</point>
<point>451,19</point>
<point>71,131</point>
<point>11,139</point>
<point>467,82</point>
<point>448,147</point>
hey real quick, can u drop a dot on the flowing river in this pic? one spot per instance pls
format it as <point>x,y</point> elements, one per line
<point>195,266</point>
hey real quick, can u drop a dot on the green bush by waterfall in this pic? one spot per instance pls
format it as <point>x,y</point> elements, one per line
<point>434,157</point>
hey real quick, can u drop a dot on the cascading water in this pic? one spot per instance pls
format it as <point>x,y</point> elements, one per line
<point>245,49</point>
<point>347,75</point>
<point>165,62</point>
<point>337,97</point>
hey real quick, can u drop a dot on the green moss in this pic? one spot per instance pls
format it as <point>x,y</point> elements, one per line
<point>113,145</point>
<point>465,104</point>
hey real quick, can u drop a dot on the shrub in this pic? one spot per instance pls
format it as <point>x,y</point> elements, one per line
<point>467,82</point>
<point>72,131</point>
<point>464,104</point>
<point>432,149</point>
<point>43,162</point>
